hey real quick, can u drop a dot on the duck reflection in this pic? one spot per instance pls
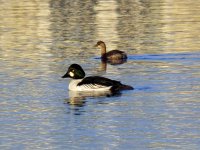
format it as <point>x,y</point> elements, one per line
<point>103,64</point>
<point>79,98</point>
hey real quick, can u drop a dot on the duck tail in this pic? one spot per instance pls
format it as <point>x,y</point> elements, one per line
<point>126,87</point>
<point>121,87</point>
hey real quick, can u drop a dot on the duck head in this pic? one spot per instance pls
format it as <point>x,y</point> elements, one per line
<point>75,71</point>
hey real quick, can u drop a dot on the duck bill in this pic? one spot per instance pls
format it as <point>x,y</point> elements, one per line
<point>66,76</point>
<point>96,45</point>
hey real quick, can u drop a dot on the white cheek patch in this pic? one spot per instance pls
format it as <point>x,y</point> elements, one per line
<point>71,74</point>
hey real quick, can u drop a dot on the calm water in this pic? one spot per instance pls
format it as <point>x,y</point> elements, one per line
<point>40,39</point>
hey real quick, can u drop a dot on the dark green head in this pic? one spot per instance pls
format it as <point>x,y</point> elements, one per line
<point>75,71</point>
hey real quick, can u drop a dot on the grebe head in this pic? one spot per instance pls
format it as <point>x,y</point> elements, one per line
<point>100,44</point>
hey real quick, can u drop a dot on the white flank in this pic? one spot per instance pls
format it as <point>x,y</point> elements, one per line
<point>86,87</point>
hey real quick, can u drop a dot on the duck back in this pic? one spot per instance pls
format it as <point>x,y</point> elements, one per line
<point>115,54</point>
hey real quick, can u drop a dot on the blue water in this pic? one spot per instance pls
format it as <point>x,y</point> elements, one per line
<point>162,111</point>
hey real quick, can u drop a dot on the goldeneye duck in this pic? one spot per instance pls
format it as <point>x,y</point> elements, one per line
<point>92,83</point>
<point>111,55</point>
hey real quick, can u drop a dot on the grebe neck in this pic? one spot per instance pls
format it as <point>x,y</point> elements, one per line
<point>103,49</point>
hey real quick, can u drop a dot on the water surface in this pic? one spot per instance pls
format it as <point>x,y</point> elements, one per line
<point>40,39</point>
